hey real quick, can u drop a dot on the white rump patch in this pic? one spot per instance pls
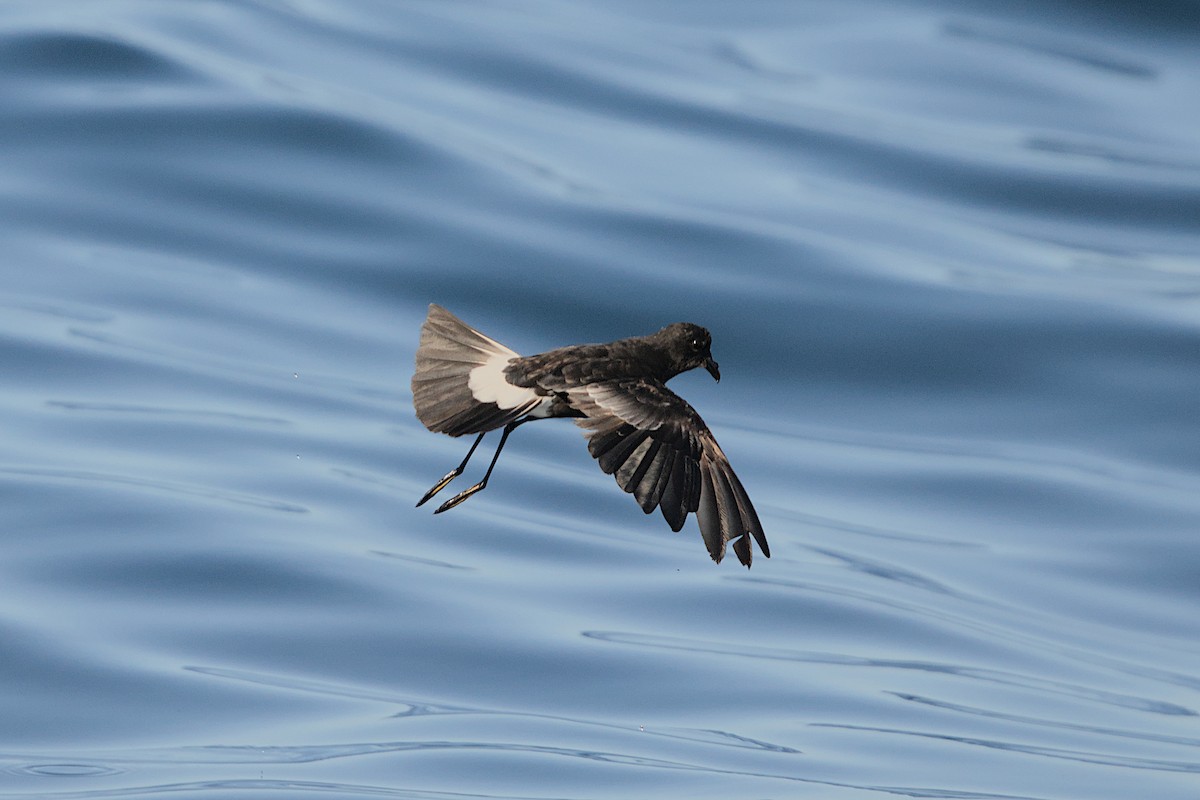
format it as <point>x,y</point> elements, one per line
<point>488,384</point>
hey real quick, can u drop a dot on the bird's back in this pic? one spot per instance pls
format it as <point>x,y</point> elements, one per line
<point>579,365</point>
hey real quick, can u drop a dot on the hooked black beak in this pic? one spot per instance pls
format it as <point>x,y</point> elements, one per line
<point>713,369</point>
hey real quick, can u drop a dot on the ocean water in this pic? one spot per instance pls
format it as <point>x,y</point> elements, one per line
<point>950,257</point>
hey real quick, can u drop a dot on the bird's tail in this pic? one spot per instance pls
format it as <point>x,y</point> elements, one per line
<point>443,395</point>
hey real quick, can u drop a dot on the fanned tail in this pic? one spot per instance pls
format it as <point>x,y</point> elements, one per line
<point>443,395</point>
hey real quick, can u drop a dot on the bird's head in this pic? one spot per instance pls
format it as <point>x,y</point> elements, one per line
<point>688,346</point>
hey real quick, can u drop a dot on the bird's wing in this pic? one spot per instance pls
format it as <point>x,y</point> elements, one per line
<point>660,450</point>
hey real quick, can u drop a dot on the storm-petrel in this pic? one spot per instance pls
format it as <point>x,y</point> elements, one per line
<point>654,443</point>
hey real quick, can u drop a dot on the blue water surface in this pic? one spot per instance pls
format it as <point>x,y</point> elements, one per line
<point>950,257</point>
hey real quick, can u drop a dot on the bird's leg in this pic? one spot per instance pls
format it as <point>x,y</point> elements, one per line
<point>465,493</point>
<point>452,474</point>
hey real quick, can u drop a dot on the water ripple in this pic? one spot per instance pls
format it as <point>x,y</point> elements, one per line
<point>949,255</point>
<point>422,708</point>
<point>1119,733</point>
<point>153,485</point>
<point>1106,759</point>
<point>56,57</point>
<point>1000,677</point>
<point>1091,54</point>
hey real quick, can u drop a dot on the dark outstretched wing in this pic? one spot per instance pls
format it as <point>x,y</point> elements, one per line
<point>660,451</point>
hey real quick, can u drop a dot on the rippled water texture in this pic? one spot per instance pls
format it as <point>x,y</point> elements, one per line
<point>950,257</point>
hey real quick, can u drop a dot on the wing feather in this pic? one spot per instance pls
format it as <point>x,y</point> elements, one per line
<point>634,469</point>
<point>647,491</point>
<point>749,516</point>
<point>708,515</point>
<point>665,468</point>
<point>660,451</point>
<point>620,448</point>
<point>671,501</point>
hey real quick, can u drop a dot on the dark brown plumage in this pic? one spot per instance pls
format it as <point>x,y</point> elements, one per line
<point>646,436</point>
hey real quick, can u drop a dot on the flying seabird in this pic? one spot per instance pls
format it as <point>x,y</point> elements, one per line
<point>639,431</point>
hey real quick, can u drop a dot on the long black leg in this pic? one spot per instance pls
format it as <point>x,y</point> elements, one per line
<point>464,494</point>
<point>452,474</point>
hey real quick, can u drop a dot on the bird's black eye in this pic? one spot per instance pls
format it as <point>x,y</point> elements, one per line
<point>697,344</point>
